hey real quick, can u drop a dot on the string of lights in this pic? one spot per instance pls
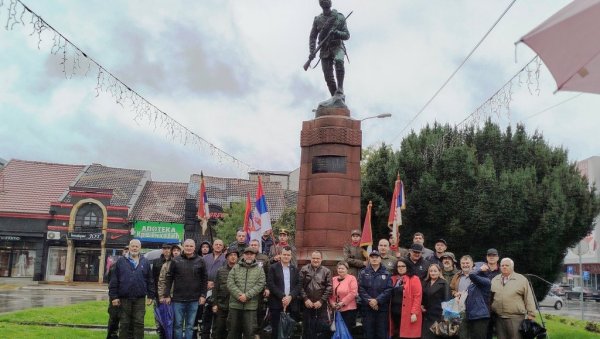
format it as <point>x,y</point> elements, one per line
<point>74,61</point>
<point>453,74</point>
<point>497,105</point>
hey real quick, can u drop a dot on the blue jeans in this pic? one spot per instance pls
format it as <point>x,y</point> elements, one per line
<point>184,312</point>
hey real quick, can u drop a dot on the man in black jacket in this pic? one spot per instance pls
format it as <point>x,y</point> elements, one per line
<point>284,284</point>
<point>188,279</point>
<point>130,283</point>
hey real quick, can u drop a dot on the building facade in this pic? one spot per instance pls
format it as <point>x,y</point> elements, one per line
<point>588,247</point>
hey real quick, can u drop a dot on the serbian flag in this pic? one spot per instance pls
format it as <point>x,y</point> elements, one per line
<point>366,239</point>
<point>248,223</point>
<point>203,212</point>
<point>260,216</point>
<point>396,206</point>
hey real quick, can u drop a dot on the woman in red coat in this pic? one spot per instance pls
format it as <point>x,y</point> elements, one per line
<point>405,306</point>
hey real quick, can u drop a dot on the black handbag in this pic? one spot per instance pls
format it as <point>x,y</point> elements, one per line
<point>530,329</point>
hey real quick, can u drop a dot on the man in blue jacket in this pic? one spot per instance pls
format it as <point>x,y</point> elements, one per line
<point>130,283</point>
<point>375,288</point>
<point>477,313</point>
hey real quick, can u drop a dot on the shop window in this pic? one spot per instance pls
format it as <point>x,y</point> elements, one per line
<point>23,261</point>
<point>88,218</point>
<point>57,264</point>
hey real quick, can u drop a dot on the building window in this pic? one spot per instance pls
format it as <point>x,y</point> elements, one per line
<point>88,217</point>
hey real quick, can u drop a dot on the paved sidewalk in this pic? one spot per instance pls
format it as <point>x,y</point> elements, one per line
<point>79,287</point>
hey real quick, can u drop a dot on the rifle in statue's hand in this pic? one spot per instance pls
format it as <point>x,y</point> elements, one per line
<point>312,55</point>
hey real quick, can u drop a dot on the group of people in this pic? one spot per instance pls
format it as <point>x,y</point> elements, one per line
<point>219,292</point>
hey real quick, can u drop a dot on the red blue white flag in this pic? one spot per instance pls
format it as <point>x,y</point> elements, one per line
<point>396,206</point>
<point>203,211</point>
<point>248,222</point>
<point>260,216</point>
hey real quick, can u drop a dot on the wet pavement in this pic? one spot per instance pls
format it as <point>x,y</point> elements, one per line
<point>572,308</point>
<point>19,299</point>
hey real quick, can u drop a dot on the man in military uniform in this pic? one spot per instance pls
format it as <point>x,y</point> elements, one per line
<point>332,51</point>
<point>354,254</point>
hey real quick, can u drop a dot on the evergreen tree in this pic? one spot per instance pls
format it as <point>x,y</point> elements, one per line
<point>483,188</point>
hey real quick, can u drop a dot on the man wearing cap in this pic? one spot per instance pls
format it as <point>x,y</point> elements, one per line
<point>417,262</point>
<point>221,295</point>
<point>374,290</point>
<point>491,269</point>
<point>419,238</point>
<point>187,279</point>
<point>449,269</point>
<point>275,253</point>
<point>267,241</point>
<point>316,287</point>
<point>157,265</point>
<point>387,259</point>
<point>354,254</point>
<point>246,282</point>
<point>440,247</point>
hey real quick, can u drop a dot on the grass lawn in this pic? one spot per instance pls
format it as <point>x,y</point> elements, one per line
<point>94,313</point>
<point>88,313</point>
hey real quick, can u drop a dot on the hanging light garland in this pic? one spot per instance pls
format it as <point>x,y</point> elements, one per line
<point>74,61</point>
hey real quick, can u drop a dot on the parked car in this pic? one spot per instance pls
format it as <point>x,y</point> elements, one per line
<point>559,290</point>
<point>552,300</point>
<point>588,294</point>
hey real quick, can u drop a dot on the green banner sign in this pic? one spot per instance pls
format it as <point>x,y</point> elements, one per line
<point>156,231</point>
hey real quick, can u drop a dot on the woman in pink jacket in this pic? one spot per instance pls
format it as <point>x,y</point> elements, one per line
<point>343,298</point>
<point>405,305</point>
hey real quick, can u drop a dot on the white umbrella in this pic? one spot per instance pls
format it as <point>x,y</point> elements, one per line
<point>569,45</point>
<point>154,254</point>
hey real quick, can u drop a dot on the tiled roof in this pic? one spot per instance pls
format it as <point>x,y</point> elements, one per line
<point>30,186</point>
<point>127,184</point>
<point>224,191</point>
<point>161,201</point>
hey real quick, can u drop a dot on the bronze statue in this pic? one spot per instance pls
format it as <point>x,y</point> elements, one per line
<point>330,28</point>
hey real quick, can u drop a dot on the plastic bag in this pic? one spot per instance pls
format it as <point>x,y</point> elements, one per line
<point>453,307</point>
<point>341,330</point>
<point>286,326</point>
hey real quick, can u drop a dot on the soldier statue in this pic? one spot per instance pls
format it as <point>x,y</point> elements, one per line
<point>330,29</point>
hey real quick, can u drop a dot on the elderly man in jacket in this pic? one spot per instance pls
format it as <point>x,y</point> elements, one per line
<point>245,282</point>
<point>130,283</point>
<point>188,281</point>
<point>316,289</point>
<point>512,300</point>
<point>374,290</point>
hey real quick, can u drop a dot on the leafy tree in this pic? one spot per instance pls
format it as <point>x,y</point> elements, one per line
<point>482,188</point>
<point>287,220</point>
<point>232,222</point>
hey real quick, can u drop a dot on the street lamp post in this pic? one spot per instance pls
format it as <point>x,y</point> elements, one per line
<point>378,116</point>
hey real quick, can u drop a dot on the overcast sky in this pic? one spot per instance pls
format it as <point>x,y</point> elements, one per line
<point>231,71</point>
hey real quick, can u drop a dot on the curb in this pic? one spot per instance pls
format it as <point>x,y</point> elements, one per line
<point>82,326</point>
<point>58,288</point>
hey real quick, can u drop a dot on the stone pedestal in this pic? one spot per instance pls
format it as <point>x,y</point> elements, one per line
<point>329,193</point>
